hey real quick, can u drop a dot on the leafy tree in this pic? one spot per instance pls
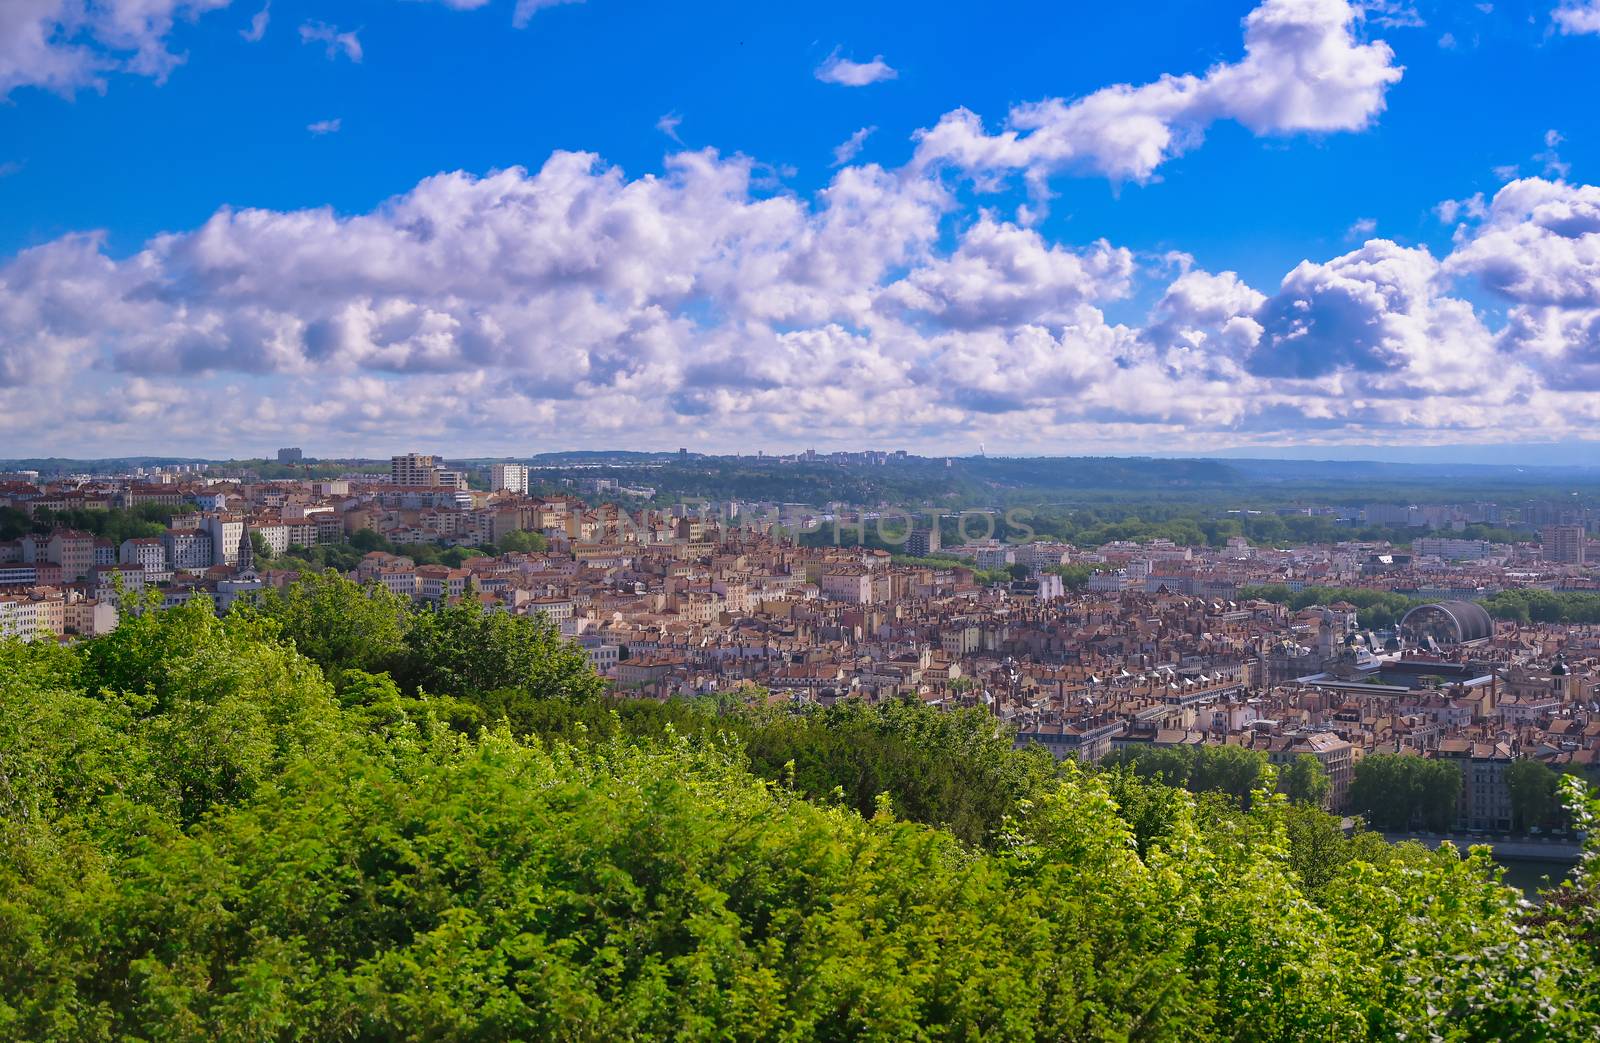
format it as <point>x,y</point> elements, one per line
<point>340,625</point>
<point>1199,768</point>
<point>369,540</point>
<point>1374,608</point>
<point>1535,795</point>
<point>198,840</point>
<point>1398,792</point>
<point>1528,604</point>
<point>464,650</point>
<point>1304,781</point>
<point>1318,848</point>
<point>220,703</point>
<point>520,542</point>
<point>14,523</point>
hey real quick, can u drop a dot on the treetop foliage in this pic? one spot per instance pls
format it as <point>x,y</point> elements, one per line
<point>329,818</point>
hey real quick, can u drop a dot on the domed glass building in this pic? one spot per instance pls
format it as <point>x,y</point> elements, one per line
<point>1447,623</point>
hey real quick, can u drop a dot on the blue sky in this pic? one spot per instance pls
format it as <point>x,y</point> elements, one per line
<point>1258,186</point>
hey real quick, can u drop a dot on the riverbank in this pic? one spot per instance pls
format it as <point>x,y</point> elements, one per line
<point>1531,864</point>
<point>1505,848</point>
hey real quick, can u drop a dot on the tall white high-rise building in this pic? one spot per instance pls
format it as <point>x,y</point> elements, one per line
<point>508,478</point>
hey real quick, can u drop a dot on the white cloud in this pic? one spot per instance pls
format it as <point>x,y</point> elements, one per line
<point>68,45</point>
<point>847,151</point>
<point>846,73</point>
<point>320,127</point>
<point>1205,324</point>
<point>1392,14</point>
<point>336,41</point>
<point>708,301</point>
<point>258,24</point>
<point>523,13</point>
<point>1554,166</point>
<point>1377,322</point>
<point>689,304</point>
<point>1540,245</point>
<point>1304,70</point>
<point>1472,208</point>
<point>668,125</point>
<point>1361,229</point>
<point>1577,17</point>
<point>1003,275</point>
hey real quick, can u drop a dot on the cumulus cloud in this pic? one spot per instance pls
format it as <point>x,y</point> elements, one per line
<point>336,41</point>
<point>1539,245</point>
<point>1205,324</point>
<point>1538,248</point>
<point>1304,70</point>
<point>689,301</point>
<point>321,127</point>
<point>846,73</point>
<point>708,300</point>
<point>1380,321</point>
<point>572,272</point>
<point>1577,17</point>
<point>68,45</point>
<point>1004,275</point>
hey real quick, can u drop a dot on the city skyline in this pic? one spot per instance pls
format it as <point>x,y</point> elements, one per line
<point>1275,229</point>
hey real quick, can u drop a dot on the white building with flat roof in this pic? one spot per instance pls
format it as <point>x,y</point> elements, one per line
<point>511,478</point>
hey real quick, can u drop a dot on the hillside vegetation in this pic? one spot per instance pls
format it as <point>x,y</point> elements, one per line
<point>336,818</point>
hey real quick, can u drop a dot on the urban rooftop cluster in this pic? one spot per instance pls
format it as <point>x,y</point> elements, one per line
<point>1125,649</point>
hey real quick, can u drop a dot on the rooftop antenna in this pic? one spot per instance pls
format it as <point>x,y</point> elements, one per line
<point>981,450</point>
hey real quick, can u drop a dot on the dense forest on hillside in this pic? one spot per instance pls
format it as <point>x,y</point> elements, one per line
<point>1074,482</point>
<point>336,817</point>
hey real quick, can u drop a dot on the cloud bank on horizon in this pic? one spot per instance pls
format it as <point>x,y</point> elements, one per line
<point>701,306</point>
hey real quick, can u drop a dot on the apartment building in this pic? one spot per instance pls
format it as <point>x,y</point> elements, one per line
<point>850,583</point>
<point>1563,544</point>
<point>423,469</point>
<point>508,478</point>
<point>72,550</point>
<point>414,469</point>
<point>227,532</point>
<point>189,550</point>
<point>1451,549</point>
<point>150,555</point>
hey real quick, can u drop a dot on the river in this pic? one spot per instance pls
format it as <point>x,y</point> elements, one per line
<point>1530,864</point>
<point>1531,875</point>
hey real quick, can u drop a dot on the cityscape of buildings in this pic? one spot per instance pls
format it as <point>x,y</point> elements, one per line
<point>1160,646</point>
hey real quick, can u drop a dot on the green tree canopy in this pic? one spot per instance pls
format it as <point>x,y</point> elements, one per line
<point>200,839</point>
<point>1402,792</point>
